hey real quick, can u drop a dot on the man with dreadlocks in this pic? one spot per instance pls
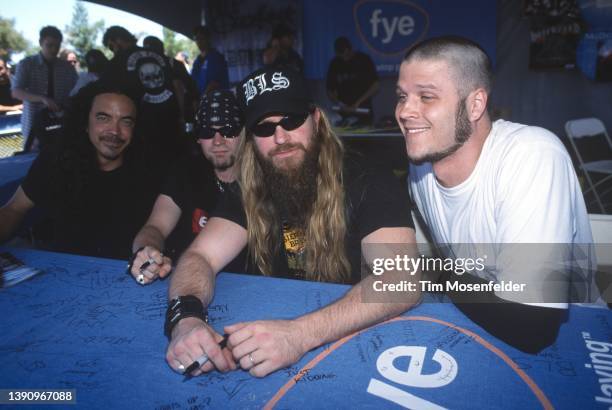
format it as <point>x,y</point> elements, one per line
<point>305,211</point>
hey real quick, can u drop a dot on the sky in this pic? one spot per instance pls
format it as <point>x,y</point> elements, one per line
<point>31,15</point>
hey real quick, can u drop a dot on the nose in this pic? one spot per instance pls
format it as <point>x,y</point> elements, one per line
<point>218,139</point>
<point>280,135</point>
<point>407,109</point>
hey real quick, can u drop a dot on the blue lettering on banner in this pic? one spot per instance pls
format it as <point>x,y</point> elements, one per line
<point>390,27</point>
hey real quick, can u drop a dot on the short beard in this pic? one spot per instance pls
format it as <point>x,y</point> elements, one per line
<point>293,191</point>
<point>225,165</point>
<point>463,131</point>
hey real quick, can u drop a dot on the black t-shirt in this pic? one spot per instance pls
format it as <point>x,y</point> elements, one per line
<point>374,199</point>
<point>5,95</point>
<point>351,79</point>
<point>193,187</point>
<point>110,209</point>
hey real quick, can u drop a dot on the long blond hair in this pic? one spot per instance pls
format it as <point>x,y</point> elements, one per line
<point>325,228</point>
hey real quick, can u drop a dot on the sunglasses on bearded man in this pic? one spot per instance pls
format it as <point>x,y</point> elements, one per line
<point>289,122</point>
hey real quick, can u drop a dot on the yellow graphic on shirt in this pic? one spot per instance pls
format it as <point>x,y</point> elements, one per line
<point>295,243</point>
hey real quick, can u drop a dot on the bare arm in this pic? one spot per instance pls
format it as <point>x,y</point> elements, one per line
<point>7,108</point>
<point>215,246</point>
<point>24,95</point>
<point>151,238</point>
<point>276,344</point>
<point>13,212</point>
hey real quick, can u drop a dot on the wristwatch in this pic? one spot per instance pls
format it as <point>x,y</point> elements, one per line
<point>181,308</point>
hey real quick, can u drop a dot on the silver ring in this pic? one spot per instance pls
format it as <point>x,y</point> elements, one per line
<point>251,359</point>
<point>140,279</point>
<point>181,367</point>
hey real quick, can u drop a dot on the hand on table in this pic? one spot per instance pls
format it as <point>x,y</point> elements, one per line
<point>265,346</point>
<point>149,265</point>
<point>192,338</point>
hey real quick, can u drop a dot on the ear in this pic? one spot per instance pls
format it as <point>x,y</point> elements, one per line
<point>476,104</point>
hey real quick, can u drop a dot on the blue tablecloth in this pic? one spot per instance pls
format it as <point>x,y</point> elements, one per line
<point>85,325</point>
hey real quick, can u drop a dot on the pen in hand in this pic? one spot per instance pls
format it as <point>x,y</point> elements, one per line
<point>202,360</point>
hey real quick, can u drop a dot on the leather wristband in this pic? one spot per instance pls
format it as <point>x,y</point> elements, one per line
<point>183,307</point>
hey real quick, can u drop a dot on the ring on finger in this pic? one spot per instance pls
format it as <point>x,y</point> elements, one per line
<point>251,359</point>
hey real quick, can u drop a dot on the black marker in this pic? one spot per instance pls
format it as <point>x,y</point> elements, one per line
<point>202,360</point>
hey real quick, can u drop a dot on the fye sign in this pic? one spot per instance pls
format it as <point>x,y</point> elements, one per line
<point>415,375</point>
<point>390,27</point>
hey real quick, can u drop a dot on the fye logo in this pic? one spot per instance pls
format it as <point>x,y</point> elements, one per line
<point>390,27</point>
<point>421,372</point>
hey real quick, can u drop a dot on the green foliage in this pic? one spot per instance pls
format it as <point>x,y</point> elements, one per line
<point>79,34</point>
<point>172,45</point>
<point>11,41</point>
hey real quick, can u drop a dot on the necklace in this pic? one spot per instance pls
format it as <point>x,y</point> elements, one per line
<point>219,185</point>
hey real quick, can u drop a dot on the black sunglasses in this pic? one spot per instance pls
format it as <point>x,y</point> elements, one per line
<point>207,133</point>
<point>288,122</point>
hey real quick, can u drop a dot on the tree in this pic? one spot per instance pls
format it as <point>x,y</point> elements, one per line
<point>81,35</point>
<point>172,45</point>
<point>11,41</point>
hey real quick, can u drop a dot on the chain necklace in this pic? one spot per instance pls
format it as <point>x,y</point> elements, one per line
<point>219,185</point>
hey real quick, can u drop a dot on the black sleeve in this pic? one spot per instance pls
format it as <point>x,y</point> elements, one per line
<point>230,207</point>
<point>173,187</point>
<point>525,327</point>
<point>36,184</point>
<point>331,79</point>
<point>382,203</point>
<point>370,70</point>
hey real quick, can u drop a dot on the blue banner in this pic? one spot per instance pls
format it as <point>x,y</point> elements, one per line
<point>386,29</point>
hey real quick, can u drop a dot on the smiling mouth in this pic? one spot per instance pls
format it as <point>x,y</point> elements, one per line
<point>416,130</point>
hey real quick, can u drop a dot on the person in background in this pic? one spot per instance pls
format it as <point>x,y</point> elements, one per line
<point>209,69</point>
<point>96,63</point>
<point>7,101</point>
<point>42,81</point>
<point>184,85</point>
<point>280,51</point>
<point>191,192</point>
<point>72,58</point>
<point>351,82</point>
<point>150,75</point>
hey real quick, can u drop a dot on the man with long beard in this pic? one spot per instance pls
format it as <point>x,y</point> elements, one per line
<point>305,211</point>
<point>484,185</point>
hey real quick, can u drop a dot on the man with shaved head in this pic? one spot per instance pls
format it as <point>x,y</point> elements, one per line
<point>479,183</point>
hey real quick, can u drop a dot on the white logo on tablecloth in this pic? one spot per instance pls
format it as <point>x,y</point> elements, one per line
<point>413,376</point>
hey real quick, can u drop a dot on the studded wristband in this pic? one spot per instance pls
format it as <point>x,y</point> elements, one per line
<point>181,308</point>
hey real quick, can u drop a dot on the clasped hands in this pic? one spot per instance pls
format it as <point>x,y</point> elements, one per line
<point>259,347</point>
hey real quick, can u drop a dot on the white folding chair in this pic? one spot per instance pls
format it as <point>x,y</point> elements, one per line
<point>593,149</point>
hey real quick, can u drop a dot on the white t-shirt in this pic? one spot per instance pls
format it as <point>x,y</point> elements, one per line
<point>523,190</point>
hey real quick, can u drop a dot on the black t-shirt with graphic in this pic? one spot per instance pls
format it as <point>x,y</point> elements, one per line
<point>108,213</point>
<point>149,75</point>
<point>375,199</point>
<point>193,187</point>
